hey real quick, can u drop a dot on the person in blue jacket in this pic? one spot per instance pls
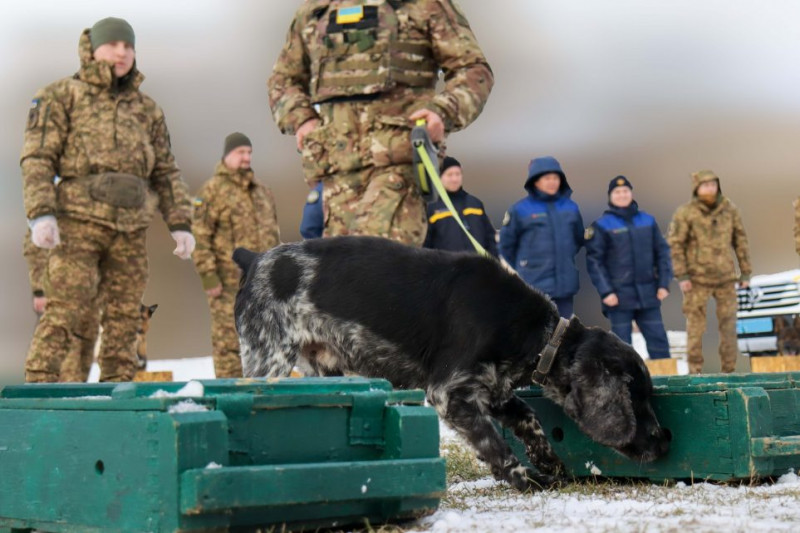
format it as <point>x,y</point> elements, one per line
<point>444,233</point>
<point>313,221</point>
<point>542,234</point>
<point>629,263</point>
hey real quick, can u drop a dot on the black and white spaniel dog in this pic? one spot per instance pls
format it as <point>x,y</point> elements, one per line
<point>458,326</point>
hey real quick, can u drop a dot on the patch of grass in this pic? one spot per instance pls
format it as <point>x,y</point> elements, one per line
<point>461,464</point>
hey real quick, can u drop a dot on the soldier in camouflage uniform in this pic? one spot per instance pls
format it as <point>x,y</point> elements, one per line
<point>78,363</point>
<point>231,210</point>
<point>703,236</point>
<point>796,205</point>
<point>350,83</point>
<point>110,146</point>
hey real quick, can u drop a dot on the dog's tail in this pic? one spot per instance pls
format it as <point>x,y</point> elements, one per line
<point>244,258</point>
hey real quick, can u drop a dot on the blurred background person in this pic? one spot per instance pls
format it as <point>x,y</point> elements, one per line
<point>629,264</point>
<point>543,232</point>
<point>231,210</point>
<point>313,221</point>
<point>704,236</point>
<point>444,233</point>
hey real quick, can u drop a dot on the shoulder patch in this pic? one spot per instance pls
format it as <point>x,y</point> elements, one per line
<point>197,202</point>
<point>313,196</point>
<point>506,218</point>
<point>588,233</point>
<point>33,113</point>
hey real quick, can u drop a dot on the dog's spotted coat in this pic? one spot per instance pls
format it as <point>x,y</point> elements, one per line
<point>457,326</point>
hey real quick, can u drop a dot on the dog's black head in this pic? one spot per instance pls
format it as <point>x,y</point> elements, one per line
<point>605,388</point>
<point>788,335</point>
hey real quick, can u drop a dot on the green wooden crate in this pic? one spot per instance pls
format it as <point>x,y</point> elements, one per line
<point>724,427</point>
<point>307,453</point>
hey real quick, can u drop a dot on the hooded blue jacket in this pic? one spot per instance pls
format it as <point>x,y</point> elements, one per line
<point>542,234</point>
<point>627,255</point>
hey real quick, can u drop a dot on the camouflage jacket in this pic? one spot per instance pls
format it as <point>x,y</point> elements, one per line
<point>437,28</point>
<point>703,241</point>
<point>87,125</point>
<point>37,264</point>
<point>231,210</point>
<point>796,205</point>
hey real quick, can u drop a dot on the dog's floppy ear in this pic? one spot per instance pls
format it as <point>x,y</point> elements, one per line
<point>601,405</point>
<point>152,309</point>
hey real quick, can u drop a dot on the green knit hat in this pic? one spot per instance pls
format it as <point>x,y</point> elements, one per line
<point>111,29</point>
<point>235,140</point>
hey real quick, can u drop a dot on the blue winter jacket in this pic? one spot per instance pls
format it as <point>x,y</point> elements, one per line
<point>542,234</point>
<point>627,255</point>
<point>312,223</point>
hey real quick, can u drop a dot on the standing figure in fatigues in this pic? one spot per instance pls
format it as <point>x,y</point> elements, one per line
<point>629,264</point>
<point>703,237</point>
<point>232,210</point>
<point>350,83</point>
<point>108,142</point>
<point>796,205</point>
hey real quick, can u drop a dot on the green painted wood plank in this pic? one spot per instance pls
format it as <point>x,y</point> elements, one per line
<point>215,490</point>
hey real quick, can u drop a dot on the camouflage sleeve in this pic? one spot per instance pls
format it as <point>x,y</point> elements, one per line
<point>173,194</point>
<point>273,231</point>
<point>741,247</point>
<point>678,234</point>
<point>467,75</point>
<point>45,134</point>
<point>288,85</point>
<point>204,226</point>
<point>796,205</point>
<point>37,264</point>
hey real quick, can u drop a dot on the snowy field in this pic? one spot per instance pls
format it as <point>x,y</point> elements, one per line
<point>476,503</point>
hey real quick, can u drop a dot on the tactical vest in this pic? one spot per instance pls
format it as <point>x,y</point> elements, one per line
<point>361,50</point>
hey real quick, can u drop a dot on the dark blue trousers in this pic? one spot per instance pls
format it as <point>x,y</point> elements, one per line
<point>650,324</point>
<point>565,306</point>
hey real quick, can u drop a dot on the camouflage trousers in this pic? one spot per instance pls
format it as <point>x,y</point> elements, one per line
<point>224,339</point>
<point>378,201</point>
<point>89,257</point>
<point>694,308</point>
<point>78,363</point>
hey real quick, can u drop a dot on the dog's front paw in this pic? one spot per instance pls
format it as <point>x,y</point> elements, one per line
<point>525,479</point>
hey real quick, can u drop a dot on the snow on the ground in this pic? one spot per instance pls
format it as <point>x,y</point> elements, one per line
<point>486,505</point>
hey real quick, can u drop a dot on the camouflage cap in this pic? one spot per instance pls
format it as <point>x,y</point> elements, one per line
<point>235,140</point>
<point>109,30</point>
<point>702,176</point>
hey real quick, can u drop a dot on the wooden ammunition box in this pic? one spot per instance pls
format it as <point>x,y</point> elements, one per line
<point>294,453</point>
<point>724,427</point>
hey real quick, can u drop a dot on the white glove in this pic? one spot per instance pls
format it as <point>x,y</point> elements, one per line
<point>185,242</point>
<point>44,232</point>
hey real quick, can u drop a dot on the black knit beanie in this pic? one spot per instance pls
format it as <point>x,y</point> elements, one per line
<point>235,140</point>
<point>619,181</point>
<point>449,162</point>
<point>111,29</point>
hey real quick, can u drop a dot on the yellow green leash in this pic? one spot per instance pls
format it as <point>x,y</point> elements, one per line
<point>427,175</point>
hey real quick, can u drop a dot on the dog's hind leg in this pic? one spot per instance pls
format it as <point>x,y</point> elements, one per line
<point>518,416</point>
<point>466,412</point>
<point>271,361</point>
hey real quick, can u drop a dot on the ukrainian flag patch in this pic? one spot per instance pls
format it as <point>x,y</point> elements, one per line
<point>350,15</point>
<point>197,202</point>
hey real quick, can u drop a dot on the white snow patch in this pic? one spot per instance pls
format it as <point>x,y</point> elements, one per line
<point>186,406</point>
<point>212,465</point>
<point>193,389</point>
<point>593,469</point>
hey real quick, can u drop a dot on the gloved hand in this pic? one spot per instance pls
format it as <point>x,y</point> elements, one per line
<point>185,242</point>
<point>44,232</point>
